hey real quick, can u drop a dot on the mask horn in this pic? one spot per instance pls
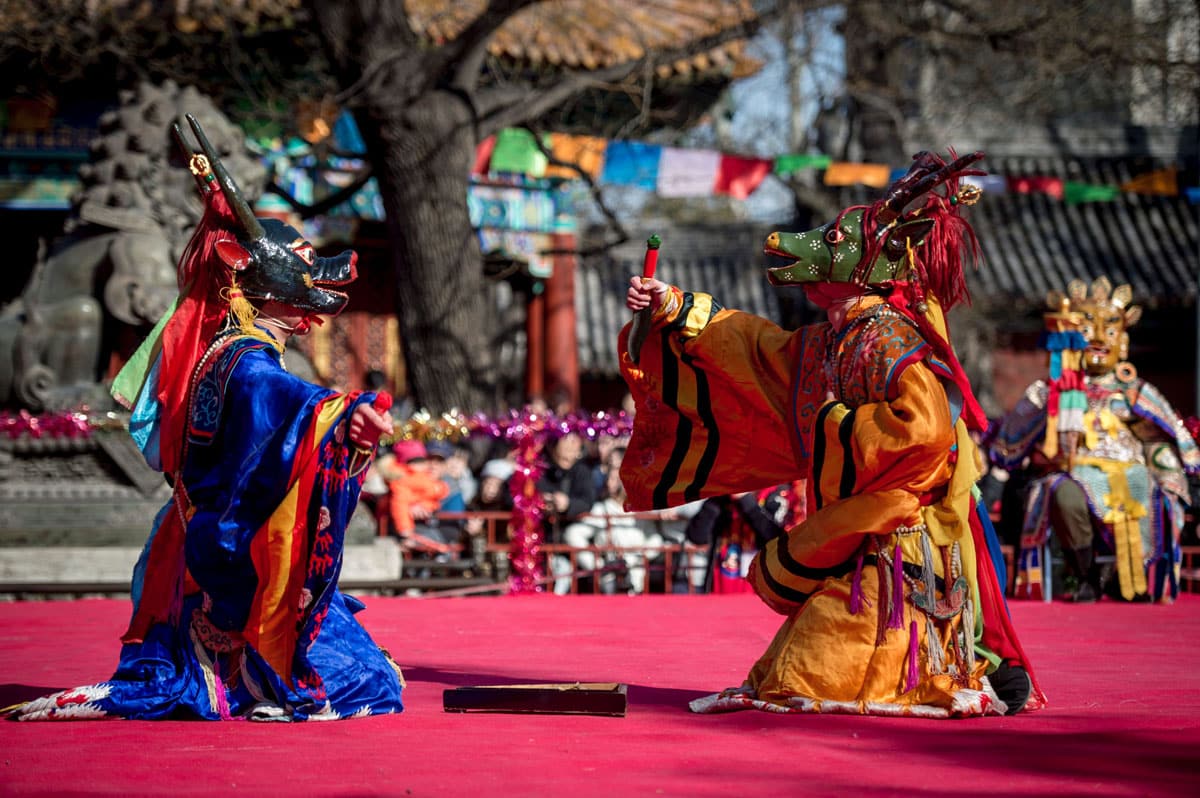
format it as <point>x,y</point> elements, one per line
<point>245,215</point>
<point>903,193</point>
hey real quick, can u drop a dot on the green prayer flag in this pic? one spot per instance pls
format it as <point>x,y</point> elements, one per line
<point>794,162</point>
<point>517,151</point>
<point>1075,193</point>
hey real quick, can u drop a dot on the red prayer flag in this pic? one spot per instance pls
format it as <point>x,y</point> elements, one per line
<point>483,155</point>
<point>738,177</point>
<point>1037,185</point>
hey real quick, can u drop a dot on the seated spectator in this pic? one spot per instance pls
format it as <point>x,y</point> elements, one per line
<point>610,454</point>
<point>494,496</point>
<point>439,452</point>
<point>456,471</point>
<point>447,462</point>
<point>565,485</point>
<point>375,489</point>
<point>672,524</point>
<point>560,402</point>
<point>607,524</point>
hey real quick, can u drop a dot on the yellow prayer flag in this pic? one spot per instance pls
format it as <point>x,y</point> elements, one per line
<point>587,151</point>
<point>1163,182</point>
<point>843,173</point>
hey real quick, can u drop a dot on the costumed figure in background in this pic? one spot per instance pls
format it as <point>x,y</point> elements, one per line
<point>236,611</point>
<point>1110,453</point>
<point>889,586</point>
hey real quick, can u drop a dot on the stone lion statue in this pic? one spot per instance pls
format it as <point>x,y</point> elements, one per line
<point>96,290</point>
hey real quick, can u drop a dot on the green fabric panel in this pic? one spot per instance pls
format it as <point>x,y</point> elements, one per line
<point>129,381</point>
<point>1075,193</point>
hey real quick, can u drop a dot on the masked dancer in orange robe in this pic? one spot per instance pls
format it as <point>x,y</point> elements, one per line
<point>889,589</point>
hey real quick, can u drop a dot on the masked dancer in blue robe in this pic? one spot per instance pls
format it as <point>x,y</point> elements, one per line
<point>236,611</point>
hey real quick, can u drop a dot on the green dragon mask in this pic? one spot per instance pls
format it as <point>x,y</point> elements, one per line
<point>882,243</point>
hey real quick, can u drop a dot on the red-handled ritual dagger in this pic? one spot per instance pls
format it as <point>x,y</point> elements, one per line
<point>640,327</point>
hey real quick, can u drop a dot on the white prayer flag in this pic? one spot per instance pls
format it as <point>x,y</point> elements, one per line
<point>687,173</point>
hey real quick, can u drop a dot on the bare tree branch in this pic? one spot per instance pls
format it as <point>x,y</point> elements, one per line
<point>597,195</point>
<point>466,53</point>
<point>505,106</point>
<point>325,204</point>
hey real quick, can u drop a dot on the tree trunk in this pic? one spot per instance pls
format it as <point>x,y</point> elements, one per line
<point>422,155</point>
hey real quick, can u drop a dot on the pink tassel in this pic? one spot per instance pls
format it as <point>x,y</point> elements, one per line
<point>882,596</point>
<point>856,595</point>
<point>896,620</point>
<point>222,699</point>
<point>912,657</point>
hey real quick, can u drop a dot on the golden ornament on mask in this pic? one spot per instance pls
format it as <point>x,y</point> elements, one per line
<point>198,166</point>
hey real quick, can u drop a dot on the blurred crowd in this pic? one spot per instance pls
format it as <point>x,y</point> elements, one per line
<point>447,501</point>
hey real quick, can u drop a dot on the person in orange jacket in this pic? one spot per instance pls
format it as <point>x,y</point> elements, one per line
<point>414,495</point>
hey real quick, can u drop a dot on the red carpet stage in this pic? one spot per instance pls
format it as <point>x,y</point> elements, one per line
<point>1124,718</point>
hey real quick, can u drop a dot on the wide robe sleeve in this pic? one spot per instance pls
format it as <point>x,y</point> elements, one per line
<point>713,390</point>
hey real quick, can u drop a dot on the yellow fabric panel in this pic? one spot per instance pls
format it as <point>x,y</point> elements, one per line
<point>833,458</point>
<point>277,553</point>
<point>826,539</point>
<point>586,152</point>
<point>832,534</point>
<point>905,442</point>
<point>280,551</point>
<point>948,519</point>
<point>845,173</point>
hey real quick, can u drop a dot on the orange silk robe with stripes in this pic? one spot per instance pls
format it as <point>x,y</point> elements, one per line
<point>728,402</point>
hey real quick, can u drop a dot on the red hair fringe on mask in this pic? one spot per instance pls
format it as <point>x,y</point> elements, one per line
<point>201,314</point>
<point>947,249</point>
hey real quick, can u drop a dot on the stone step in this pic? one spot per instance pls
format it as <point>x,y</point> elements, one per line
<point>107,569</point>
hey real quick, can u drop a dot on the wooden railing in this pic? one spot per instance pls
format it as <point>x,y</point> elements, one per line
<point>1189,572</point>
<point>661,562</point>
<point>665,558</point>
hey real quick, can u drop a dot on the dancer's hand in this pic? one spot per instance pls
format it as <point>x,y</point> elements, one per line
<point>367,425</point>
<point>645,292</point>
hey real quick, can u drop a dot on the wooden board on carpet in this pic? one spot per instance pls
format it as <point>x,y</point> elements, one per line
<point>568,698</point>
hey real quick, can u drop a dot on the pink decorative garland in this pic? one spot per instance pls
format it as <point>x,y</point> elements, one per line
<point>525,527</point>
<point>48,425</point>
<point>527,432</point>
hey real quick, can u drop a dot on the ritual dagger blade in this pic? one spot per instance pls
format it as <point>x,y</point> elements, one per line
<point>640,327</point>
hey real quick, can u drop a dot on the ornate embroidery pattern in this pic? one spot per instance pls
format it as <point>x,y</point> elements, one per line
<point>212,637</point>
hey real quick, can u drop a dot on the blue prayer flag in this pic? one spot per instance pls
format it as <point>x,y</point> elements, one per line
<point>631,163</point>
